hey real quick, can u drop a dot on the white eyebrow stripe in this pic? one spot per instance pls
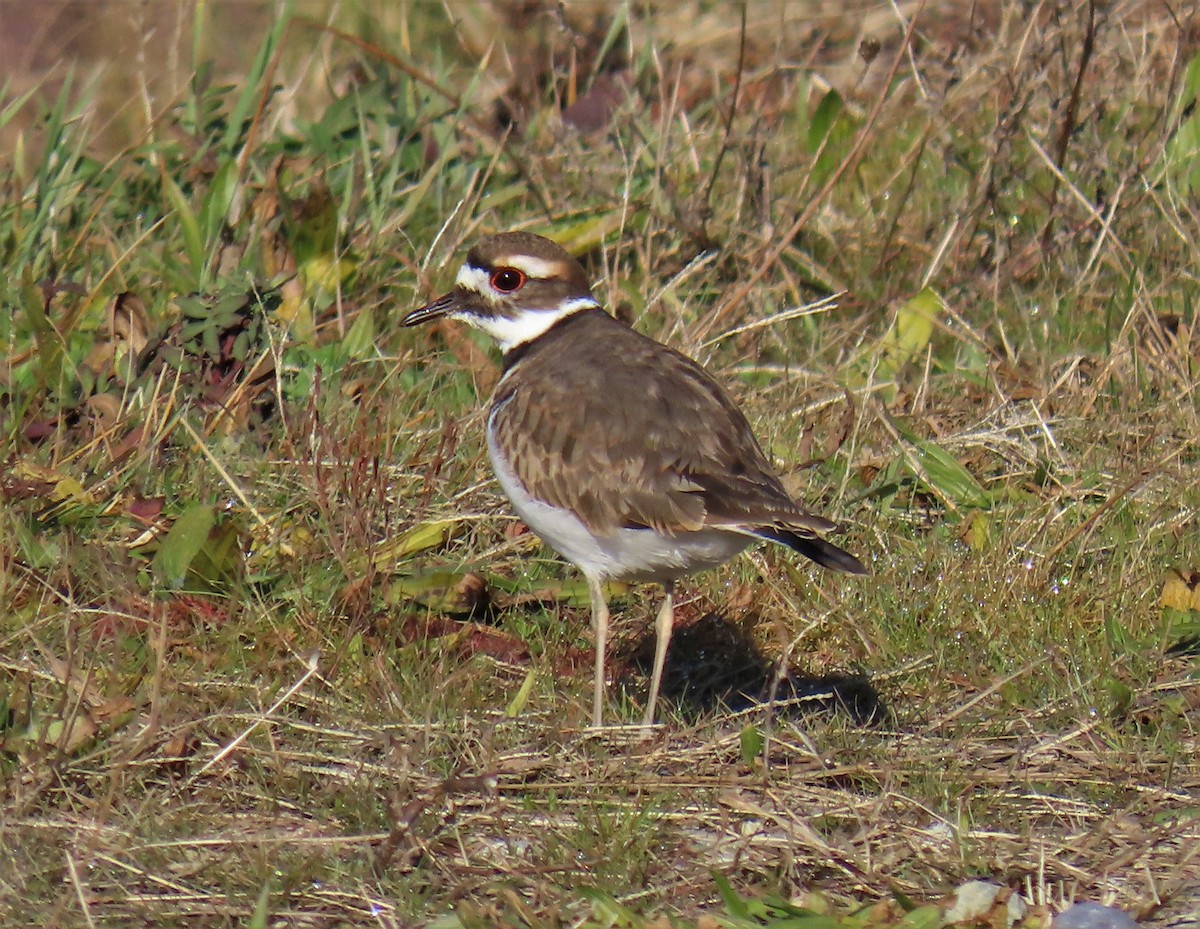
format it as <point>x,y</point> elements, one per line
<point>532,266</point>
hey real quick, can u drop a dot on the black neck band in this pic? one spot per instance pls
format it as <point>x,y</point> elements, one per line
<point>517,352</point>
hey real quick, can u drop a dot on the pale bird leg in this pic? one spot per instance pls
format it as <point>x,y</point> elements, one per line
<point>662,631</point>
<point>600,629</point>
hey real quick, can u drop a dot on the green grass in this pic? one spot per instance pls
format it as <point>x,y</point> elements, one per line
<point>271,648</point>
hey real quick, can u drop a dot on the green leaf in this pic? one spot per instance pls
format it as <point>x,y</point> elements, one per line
<point>181,545</point>
<point>734,904</point>
<point>829,135</point>
<point>616,29</point>
<point>977,531</point>
<point>942,473</point>
<point>608,913</point>
<point>189,227</point>
<point>569,591</point>
<point>49,342</point>
<point>262,909</point>
<point>752,744</point>
<point>418,539</point>
<point>220,560</point>
<point>1191,84</point>
<point>517,705</point>
<point>949,479</point>
<point>583,235</point>
<point>823,119</point>
<point>1180,159</point>
<point>905,340</point>
<point>923,917</point>
<point>37,549</point>
<point>217,203</point>
<point>312,230</point>
<point>252,90</point>
<point>911,332</point>
<point>13,106</point>
<point>436,591</point>
<point>360,340</point>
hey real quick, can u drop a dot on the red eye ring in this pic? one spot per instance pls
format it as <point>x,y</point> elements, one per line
<point>508,280</point>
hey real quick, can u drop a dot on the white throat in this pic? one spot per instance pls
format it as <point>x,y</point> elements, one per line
<point>511,331</point>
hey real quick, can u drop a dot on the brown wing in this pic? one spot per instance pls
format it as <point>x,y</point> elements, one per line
<point>671,452</point>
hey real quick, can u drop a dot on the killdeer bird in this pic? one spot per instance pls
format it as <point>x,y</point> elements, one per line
<point>623,455</point>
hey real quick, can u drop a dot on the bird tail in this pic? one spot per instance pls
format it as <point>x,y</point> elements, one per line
<point>813,547</point>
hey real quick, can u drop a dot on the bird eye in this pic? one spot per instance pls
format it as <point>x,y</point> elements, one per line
<point>506,280</point>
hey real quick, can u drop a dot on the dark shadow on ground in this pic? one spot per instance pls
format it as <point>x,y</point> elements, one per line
<point>712,664</point>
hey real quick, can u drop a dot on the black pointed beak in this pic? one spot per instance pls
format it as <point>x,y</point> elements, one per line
<point>442,306</point>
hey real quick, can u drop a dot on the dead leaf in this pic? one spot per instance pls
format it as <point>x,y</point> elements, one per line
<point>838,437</point>
<point>129,322</point>
<point>178,750</point>
<point>63,494</point>
<point>472,591</point>
<point>805,446</point>
<point>146,509</point>
<point>976,530</point>
<point>69,734</point>
<point>481,640</point>
<point>1181,590</point>
<point>128,445</point>
<point>111,709</point>
<point>38,429</point>
<point>593,111</point>
<point>983,903</point>
<point>515,529</point>
<point>740,597</point>
<point>105,409</point>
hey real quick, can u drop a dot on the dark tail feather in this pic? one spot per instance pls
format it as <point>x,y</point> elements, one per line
<point>826,554</point>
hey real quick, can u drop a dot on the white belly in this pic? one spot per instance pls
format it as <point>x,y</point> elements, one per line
<point>623,554</point>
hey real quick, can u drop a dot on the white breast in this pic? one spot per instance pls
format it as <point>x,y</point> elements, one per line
<point>624,554</point>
